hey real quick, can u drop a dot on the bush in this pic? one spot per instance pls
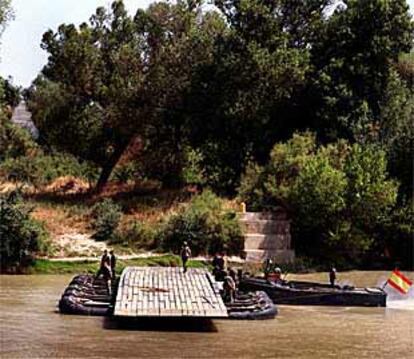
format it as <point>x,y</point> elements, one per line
<point>337,194</point>
<point>193,172</point>
<point>106,216</point>
<point>21,236</point>
<point>15,141</point>
<point>205,225</point>
<point>397,237</point>
<point>125,173</point>
<point>270,186</point>
<point>138,235</point>
<point>42,169</point>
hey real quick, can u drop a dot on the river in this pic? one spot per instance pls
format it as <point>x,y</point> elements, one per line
<point>30,327</point>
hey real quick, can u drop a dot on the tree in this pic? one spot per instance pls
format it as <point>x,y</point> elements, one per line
<point>246,99</point>
<point>118,78</point>
<point>396,132</point>
<point>6,14</point>
<point>182,46</point>
<point>352,62</point>
<point>82,101</point>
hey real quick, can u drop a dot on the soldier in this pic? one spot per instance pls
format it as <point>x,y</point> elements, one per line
<point>113,262</point>
<point>185,254</point>
<point>229,287</point>
<point>218,267</point>
<point>278,275</point>
<point>102,265</point>
<point>332,276</point>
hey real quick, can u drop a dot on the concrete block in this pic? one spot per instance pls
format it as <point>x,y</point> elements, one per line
<point>278,256</point>
<point>266,241</point>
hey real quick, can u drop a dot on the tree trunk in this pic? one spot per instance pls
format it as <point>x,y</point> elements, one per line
<point>108,168</point>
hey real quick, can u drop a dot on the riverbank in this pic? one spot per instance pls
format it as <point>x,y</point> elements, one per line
<point>47,266</point>
<point>77,265</point>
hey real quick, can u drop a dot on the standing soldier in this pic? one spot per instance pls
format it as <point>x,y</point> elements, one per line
<point>332,276</point>
<point>185,254</point>
<point>113,263</point>
<point>107,274</point>
<point>101,269</point>
<point>229,287</point>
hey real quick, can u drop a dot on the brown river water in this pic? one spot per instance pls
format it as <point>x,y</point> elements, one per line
<point>30,327</point>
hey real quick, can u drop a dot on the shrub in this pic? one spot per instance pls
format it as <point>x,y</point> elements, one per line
<point>42,169</point>
<point>125,172</point>
<point>15,141</point>
<point>193,172</point>
<point>337,194</point>
<point>270,186</point>
<point>21,236</point>
<point>138,235</point>
<point>206,225</point>
<point>396,236</point>
<point>106,216</point>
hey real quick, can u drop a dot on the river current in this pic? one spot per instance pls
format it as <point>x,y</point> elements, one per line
<point>30,327</point>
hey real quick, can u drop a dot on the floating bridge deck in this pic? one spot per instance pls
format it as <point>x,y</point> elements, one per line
<point>168,292</point>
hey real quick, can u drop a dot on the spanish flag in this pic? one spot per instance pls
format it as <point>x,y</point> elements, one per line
<point>398,281</point>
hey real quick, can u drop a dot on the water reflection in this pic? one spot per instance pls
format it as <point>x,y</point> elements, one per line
<point>161,324</point>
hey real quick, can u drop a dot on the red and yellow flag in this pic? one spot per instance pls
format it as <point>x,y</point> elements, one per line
<point>399,281</point>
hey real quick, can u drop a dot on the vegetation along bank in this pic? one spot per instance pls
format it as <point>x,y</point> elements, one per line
<point>153,126</point>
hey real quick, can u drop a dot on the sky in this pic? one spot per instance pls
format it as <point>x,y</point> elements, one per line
<point>20,54</point>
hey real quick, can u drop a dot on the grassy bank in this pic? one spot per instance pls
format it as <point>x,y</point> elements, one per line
<point>45,266</point>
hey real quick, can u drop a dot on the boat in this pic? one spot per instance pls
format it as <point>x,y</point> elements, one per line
<point>86,295</point>
<point>312,293</point>
<point>251,306</point>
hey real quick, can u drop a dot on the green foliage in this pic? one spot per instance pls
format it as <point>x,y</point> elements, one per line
<point>353,57</point>
<point>270,186</point>
<point>245,99</point>
<point>125,172</point>
<point>137,236</point>
<point>118,77</point>
<point>227,83</point>
<point>42,169</point>
<point>318,192</point>
<point>396,233</point>
<point>405,68</point>
<point>106,216</point>
<point>396,131</point>
<point>21,236</point>
<point>6,14</point>
<point>337,194</point>
<point>193,172</point>
<point>15,141</point>
<point>207,94</point>
<point>9,94</point>
<point>206,225</point>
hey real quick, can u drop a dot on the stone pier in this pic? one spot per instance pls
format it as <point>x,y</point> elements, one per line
<point>267,235</point>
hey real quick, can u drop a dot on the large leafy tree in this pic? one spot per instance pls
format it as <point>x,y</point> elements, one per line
<point>353,59</point>
<point>227,83</point>
<point>246,99</point>
<point>117,78</point>
<point>395,129</point>
<point>182,45</point>
<point>81,101</point>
